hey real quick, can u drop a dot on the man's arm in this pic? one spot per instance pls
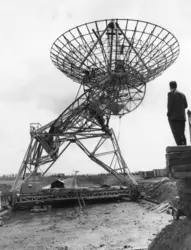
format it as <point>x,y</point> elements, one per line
<point>185,103</point>
<point>169,104</point>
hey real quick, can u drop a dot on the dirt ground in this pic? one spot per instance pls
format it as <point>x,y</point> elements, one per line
<point>105,226</point>
<point>176,236</point>
<point>108,226</point>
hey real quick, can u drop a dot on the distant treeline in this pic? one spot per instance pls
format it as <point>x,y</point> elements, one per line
<point>91,177</point>
<point>8,176</point>
<point>57,175</point>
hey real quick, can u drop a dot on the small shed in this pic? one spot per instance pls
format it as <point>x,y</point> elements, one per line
<point>148,174</point>
<point>58,184</point>
<point>160,172</point>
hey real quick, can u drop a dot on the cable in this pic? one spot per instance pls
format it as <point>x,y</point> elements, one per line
<point>78,92</point>
<point>119,130</point>
<point>118,139</point>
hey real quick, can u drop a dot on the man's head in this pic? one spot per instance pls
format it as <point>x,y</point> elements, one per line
<point>173,85</point>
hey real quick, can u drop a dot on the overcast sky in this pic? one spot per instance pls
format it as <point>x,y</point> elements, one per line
<point>32,89</point>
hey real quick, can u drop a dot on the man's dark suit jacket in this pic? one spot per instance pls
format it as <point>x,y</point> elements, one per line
<point>176,106</point>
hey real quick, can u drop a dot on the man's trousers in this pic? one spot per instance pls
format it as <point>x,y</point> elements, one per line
<point>178,129</point>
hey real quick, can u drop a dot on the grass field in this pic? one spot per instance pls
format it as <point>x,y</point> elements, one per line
<point>8,182</point>
<point>5,185</point>
<point>99,179</point>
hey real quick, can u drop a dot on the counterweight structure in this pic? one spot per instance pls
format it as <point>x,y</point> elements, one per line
<point>112,60</point>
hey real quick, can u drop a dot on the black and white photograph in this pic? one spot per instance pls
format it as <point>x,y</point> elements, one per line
<point>95,131</point>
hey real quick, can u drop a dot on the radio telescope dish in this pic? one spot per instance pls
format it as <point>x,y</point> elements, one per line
<point>130,53</point>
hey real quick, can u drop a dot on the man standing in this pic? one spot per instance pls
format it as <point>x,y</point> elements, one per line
<point>176,113</point>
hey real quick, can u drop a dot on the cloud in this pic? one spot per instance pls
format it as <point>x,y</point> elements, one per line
<point>44,86</point>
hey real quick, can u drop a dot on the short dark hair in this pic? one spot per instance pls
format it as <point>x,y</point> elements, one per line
<point>173,85</point>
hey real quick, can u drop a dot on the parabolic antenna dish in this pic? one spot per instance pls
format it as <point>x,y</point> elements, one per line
<point>129,53</point>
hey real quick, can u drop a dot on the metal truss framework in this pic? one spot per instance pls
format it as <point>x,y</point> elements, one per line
<point>76,125</point>
<point>82,195</point>
<point>113,60</point>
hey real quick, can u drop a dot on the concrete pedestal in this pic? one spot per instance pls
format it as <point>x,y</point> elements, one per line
<point>178,161</point>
